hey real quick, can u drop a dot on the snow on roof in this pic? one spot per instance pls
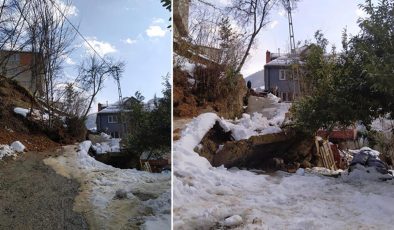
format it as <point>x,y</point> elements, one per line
<point>110,109</point>
<point>284,61</point>
<point>287,59</point>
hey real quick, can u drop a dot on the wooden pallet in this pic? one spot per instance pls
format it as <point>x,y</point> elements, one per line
<point>324,151</point>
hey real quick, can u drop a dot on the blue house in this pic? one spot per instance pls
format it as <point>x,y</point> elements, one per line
<point>109,118</point>
<point>279,78</point>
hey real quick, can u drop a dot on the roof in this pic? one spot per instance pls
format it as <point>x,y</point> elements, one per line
<point>288,59</point>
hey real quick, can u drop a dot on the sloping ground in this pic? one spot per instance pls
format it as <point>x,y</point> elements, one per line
<point>207,197</point>
<point>34,196</point>
<point>14,127</point>
<point>199,89</point>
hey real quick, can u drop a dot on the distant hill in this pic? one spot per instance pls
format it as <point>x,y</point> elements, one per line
<point>257,80</point>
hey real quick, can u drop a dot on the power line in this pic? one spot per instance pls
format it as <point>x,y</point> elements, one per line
<point>79,33</point>
<point>115,68</point>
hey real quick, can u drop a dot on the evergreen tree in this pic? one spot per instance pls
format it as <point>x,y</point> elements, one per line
<point>358,84</point>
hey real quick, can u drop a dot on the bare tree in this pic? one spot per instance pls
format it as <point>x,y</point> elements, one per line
<point>252,15</point>
<point>92,74</point>
<point>49,38</point>
<point>74,101</point>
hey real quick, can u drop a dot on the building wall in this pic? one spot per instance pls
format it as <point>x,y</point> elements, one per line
<point>104,126</point>
<point>18,67</point>
<point>286,89</point>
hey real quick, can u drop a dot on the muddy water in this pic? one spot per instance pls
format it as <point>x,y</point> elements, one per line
<point>34,196</point>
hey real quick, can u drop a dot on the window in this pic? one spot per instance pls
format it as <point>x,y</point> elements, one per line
<point>112,119</point>
<point>114,134</point>
<point>282,74</point>
<point>14,59</point>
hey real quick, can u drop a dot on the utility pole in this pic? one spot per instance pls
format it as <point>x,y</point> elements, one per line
<point>287,5</point>
<point>116,71</point>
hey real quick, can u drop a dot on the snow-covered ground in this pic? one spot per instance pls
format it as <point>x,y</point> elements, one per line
<point>144,199</point>
<point>207,197</point>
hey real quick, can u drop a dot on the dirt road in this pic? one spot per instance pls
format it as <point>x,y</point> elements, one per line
<point>34,196</point>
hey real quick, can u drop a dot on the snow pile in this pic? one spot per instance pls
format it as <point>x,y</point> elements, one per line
<point>273,98</point>
<point>21,111</point>
<point>36,114</point>
<point>382,125</point>
<point>256,124</point>
<point>207,197</point>
<point>5,151</point>
<point>147,200</point>
<point>107,145</point>
<point>16,147</point>
<point>248,125</point>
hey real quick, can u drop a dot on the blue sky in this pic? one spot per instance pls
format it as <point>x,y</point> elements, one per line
<point>330,16</point>
<point>134,31</point>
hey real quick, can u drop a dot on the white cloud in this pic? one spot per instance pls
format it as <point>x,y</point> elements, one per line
<point>69,61</point>
<point>70,9</point>
<point>282,12</point>
<point>130,41</point>
<point>158,21</point>
<point>101,47</point>
<point>273,24</point>
<point>155,31</point>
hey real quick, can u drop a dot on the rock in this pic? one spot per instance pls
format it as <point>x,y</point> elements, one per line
<point>306,164</point>
<point>121,194</point>
<point>257,221</point>
<point>292,168</point>
<point>300,172</point>
<point>233,221</point>
<point>233,153</point>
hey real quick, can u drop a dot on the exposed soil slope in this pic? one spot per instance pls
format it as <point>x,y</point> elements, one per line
<point>14,127</point>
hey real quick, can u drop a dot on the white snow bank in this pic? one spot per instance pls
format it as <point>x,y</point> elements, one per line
<point>382,124</point>
<point>205,196</point>
<point>250,125</point>
<point>273,98</point>
<point>21,111</point>
<point>17,146</point>
<point>6,150</point>
<point>107,144</point>
<point>100,182</point>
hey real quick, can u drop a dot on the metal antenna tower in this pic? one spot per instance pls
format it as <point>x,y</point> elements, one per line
<point>287,4</point>
<point>117,79</point>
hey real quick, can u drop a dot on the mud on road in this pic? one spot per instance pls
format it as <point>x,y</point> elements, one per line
<point>34,196</point>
